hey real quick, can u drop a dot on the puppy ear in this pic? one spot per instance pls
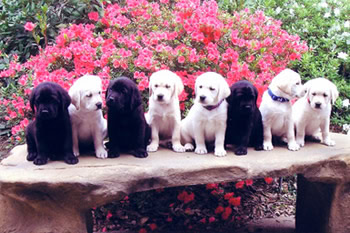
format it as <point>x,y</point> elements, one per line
<point>32,99</point>
<point>256,93</point>
<point>282,80</point>
<point>334,92</point>
<point>224,89</point>
<point>179,86</point>
<point>74,93</point>
<point>65,98</point>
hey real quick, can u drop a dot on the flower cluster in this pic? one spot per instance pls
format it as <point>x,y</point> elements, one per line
<point>137,37</point>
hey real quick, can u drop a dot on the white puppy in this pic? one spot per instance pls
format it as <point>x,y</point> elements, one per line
<point>312,112</point>
<point>88,125</point>
<point>206,120</point>
<point>164,114</point>
<point>276,109</point>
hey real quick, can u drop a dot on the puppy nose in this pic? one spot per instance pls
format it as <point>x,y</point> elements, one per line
<point>318,105</point>
<point>202,97</point>
<point>160,96</point>
<point>99,105</point>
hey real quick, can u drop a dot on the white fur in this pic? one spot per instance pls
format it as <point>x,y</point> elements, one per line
<point>164,114</point>
<point>311,117</point>
<point>276,116</point>
<point>88,124</point>
<point>202,125</point>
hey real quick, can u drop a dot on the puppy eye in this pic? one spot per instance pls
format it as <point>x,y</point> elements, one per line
<point>167,86</point>
<point>200,86</point>
<point>99,93</point>
<point>325,95</point>
<point>156,85</point>
<point>313,94</point>
<point>89,95</point>
<point>212,88</point>
<point>297,83</point>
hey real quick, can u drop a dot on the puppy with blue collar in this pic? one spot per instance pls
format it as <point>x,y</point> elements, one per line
<point>276,108</point>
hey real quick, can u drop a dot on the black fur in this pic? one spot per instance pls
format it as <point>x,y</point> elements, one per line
<point>244,121</point>
<point>127,128</point>
<point>49,136</point>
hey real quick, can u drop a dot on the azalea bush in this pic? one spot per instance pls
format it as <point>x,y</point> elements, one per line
<point>136,38</point>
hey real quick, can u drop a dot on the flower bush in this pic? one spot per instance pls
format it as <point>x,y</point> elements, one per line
<point>137,37</point>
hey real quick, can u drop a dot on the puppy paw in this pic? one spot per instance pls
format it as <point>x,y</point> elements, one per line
<point>31,156</point>
<point>113,154</point>
<point>101,153</point>
<point>268,146</point>
<point>220,152</point>
<point>152,147</point>
<point>300,142</point>
<point>40,161</point>
<point>241,150</point>
<point>329,142</point>
<point>293,146</point>
<point>139,153</point>
<point>179,148</point>
<point>71,159</point>
<point>189,147</point>
<point>259,147</point>
<point>76,154</point>
<point>201,150</point>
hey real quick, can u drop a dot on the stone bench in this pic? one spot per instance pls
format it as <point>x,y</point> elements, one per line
<point>57,197</point>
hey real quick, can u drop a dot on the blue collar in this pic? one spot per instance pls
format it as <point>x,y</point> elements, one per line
<point>211,107</point>
<point>277,98</point>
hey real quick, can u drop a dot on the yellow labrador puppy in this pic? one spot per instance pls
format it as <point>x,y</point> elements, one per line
<point>276,109</point>
<point>206,120</point>
<point>164,114</point>
<point>89,128</point>
<point>312,112</point>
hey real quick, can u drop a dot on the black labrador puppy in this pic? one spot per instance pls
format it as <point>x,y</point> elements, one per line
<point>49,136</point>
<point>126,124</point>
<point>244,121</point>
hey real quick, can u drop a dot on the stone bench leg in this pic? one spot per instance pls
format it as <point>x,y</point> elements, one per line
<point>322,207</point>
<point>41,216</point>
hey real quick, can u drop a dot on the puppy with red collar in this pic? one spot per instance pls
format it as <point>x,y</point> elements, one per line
<point>311,114</point>
<point>206,120</point>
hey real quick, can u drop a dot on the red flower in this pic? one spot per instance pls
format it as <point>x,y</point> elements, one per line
<point>212,186</point>
<point>226,214</point>
<point>29,26</point>
<point>249,182</point>
<point>228,195</point>
<point>235,201</point>
<point>219,209</point>
<point>181,59</point>
<point>153,226</point>
<point>211,219</point>
<point>142,230</point>
<point>240,184</point>
<point>93,16</point>
<point>268,180</point>
<point>203,220</point>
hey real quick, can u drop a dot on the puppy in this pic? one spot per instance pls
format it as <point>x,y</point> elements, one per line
<point>164,114</point>
<point>276,109</point>
<point>244,122</point>
<point>126,124</point>
<point>49,136</point>
<point>89,128</point>
<point>312,112</point>
<point>206,120</point>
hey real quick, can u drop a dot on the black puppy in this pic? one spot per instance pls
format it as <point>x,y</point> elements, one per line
<point>244,121</point>
<point>126,124</point>
<point>49,136</point>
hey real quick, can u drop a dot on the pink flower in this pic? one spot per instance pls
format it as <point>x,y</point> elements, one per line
<point>93,16</point>
<point>181,59</point>
<point>29,26</point>
<point>268,180</point>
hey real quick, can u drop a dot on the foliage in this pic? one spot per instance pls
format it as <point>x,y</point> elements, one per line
<point>136,38</point>
<point>325,26</point>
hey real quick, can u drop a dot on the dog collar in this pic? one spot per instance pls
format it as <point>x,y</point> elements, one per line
<point>277,98</point>
<point>211,107</point>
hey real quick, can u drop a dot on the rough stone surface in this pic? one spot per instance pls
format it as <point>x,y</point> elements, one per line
<point>56,197</point>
